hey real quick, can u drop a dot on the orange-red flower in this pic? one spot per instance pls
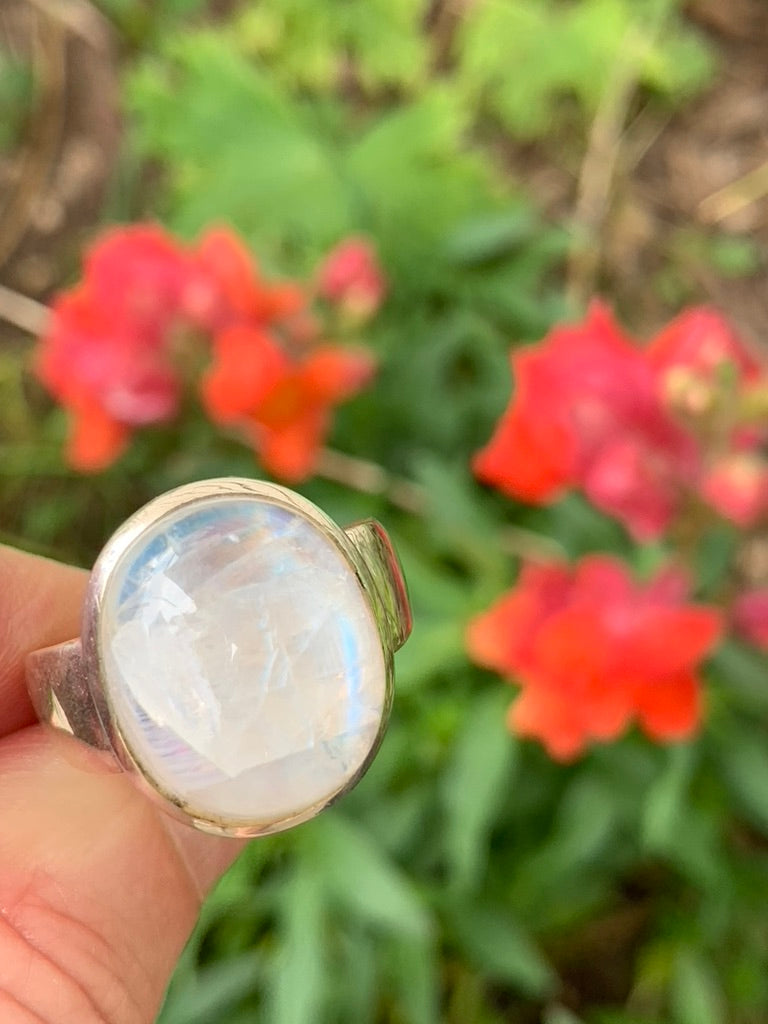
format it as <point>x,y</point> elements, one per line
<point>593,651</point>
<point>116,353</point>
<point>281,402</point>
<point>585,413</point>
<point>225,286</point>
<point>638,430</point>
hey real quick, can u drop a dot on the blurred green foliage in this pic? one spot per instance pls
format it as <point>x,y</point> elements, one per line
<point>561,50</point>
<point>556,51</point>
<point>467,880</point>
<point>303,42</point>
<point>141,23</point>
<point>16,92</point>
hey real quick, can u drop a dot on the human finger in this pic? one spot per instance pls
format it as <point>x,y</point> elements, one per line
<point>40,604</point>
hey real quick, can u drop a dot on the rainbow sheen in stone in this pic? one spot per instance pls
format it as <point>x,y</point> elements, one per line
<point>242,660</point>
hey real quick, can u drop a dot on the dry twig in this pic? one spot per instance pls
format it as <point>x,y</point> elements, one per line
<point>597,174</point>
<point>78,16</point>
<point>371,478</point>
<point>22,312</point>
<point>736,196</point>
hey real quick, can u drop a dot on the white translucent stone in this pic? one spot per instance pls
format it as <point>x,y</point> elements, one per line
<point>242,660</point>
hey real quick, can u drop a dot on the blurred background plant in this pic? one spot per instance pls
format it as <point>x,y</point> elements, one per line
<point>500,163</point>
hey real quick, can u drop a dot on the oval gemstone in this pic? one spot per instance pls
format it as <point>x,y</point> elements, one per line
<point>242,660</point>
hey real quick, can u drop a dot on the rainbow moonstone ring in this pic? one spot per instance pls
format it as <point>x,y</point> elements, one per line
<point>236,654</point>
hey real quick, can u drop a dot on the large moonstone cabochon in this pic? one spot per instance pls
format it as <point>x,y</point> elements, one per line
<point>242,660</point>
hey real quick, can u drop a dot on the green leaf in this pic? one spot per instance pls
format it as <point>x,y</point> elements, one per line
<point>714,556</point>
<point>622,1017</point>
<point>414,181</point>
<point>397,820</point>
<point>435,593</point>
<point>741,673</point>
<point>482,239</point>
<point>306,44</point>
<point>687,835</point>
<point>363,880</point>
<point>649,559</point>
<point>582,529</point>
<point>734,256</point>
<point>435,647</point>
<point>354,985</point>
<point>587,819</point>
<point>520,58</point>
<point>453,496</point>
<point>463,524</point>
<point>298,972</point>
<point>268,171</point>
<point>560,1015</point>
<point>696,996</point>
<point>142,23</point>
<point>697,850</point>
<point>566,873</point>
<point>461,361</point>
<point>478,778</point>
<point>502,949</point>
<point>664,801</point>
<point>743,758</point>
<point>16,94</point>
<point>208,996</point>
<point>415,981</point>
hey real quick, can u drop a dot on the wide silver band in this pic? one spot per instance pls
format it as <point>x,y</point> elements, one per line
<point>66,683</point>
<point>61,695</point>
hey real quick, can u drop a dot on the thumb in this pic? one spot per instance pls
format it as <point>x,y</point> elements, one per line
<point>98,889</point>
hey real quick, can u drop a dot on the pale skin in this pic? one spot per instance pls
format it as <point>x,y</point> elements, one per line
<point>99,890</point>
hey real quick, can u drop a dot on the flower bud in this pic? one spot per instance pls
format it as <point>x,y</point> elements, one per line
<point>352,279</point>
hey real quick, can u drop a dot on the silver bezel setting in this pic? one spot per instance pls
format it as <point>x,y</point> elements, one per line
<point>365,549</point>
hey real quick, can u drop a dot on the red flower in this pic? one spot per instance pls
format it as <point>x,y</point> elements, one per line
<point>736,485</point>
<point>225,286</point>
<point>750,617</point>
<point>352,278</point>
<point>112,356</point>
<point>706,372</point>
<point>592,650</point>
<point>282,403</point>
<point>138,275</point>
<point>586,414</point>
<point>701,342</point>
<point>107,354</point>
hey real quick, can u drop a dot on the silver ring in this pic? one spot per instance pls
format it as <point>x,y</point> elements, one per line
<point>236,655</point>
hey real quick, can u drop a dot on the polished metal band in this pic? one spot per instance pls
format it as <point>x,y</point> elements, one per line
<point>58,687</point>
